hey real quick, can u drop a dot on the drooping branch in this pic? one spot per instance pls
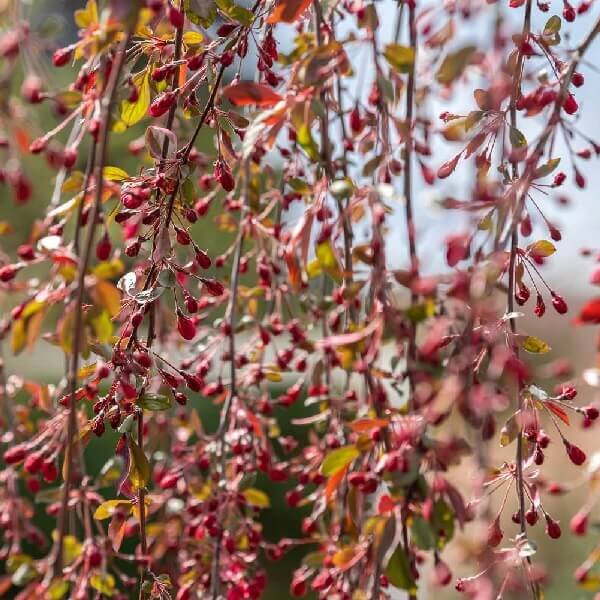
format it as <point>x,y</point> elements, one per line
<point>83,263</point>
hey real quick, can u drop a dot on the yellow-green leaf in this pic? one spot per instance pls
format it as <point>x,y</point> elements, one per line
<point>109,507</point>
<point>542,248</point>
<point>103,583</point>
<point>72,548</point>
<point>454,64</point>
<point>139,469</point>
<point>546,168</point>
<point>328,260</point>
<point>510,430</point>
<point>193,38</point>
<point>58,589</point>
<point>133,112</point>
<point>401,58</point>
<point>307,143</point>
<point>114,174</point>
<point>535,345</point>
<point>103,327</point>
<point>154,402</point>
<point>256,497</point>
<point>517,139</point>
<point>339,458</point>
<point>313,268</point>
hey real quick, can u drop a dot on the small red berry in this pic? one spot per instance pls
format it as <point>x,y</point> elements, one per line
<point>62,56</point>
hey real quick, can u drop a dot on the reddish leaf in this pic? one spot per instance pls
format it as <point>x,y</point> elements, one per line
<point>386,504</point>
<point>245,93</point>
<point>558,411</point>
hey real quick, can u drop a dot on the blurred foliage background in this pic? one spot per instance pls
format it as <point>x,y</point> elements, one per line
<point>47,363</point>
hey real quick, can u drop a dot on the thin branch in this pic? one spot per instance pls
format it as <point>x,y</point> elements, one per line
<point>221,456</point>
<point>407,190</point>
<point>514,245</point>
<point>108,102</point>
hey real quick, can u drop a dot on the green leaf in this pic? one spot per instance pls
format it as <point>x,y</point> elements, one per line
<point>235,12</point>
<point>188,191</point>
<point>201,12</point>
<point>398,570</point>
<point>552,26</point>
<point>401,58</point>
<point>454,64</point>
<point>517,139</point>
<point>154,402</point>
<point>535,345</point>
<point>546,168</point>
<point>443,522</point>
<point>338,459</point>
<point>422,534</point>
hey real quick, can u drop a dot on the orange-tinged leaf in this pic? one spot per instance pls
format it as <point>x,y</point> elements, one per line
<point>183,72</point>
<point>253,420</point>
<point>362,425</point>
<point>246,93</point>
<point>107,295</point>
<point>294,274</point>
<point>116,532</point>
<point>334,481</point>
<point>287,11</point>
<point>343,557</point>
<point>22,138</point>
<point>6,228</point>
<point>18,337</point>
<point>34,326</point>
